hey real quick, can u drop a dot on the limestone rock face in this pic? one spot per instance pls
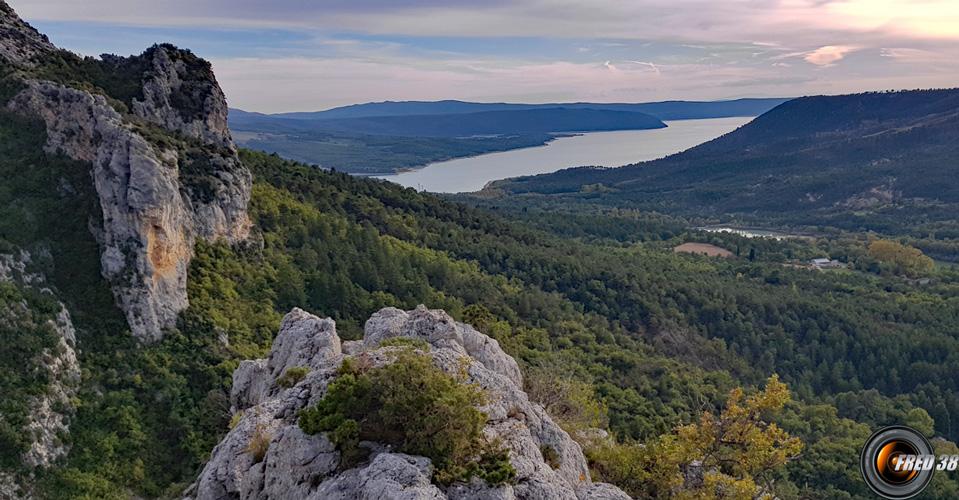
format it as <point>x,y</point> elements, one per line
<point>49,416</point>
<point>150,223</point>
<point>180,93</point>
<point>437,327</point>
<point>304,341</point>
<point>157,197</point>
<point>297,465</point>
<point>251,384</point>
<point>389,475</point>
<point>50,412</point>
<point>146,236</point>
<point>10,488</point>
<point>20,43</point>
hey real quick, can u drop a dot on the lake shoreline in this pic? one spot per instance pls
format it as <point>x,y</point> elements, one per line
<point>547,142</point>
<point>613,148</point>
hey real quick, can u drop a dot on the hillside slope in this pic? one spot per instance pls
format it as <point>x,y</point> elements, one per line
<point>878,161</point>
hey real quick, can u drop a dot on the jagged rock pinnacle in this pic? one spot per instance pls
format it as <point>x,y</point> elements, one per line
<point>298,465</point>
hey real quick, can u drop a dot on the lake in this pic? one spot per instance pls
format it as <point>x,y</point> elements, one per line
<point>606,149</point>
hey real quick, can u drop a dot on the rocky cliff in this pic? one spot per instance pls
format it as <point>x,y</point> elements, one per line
<point>299,465</point>
<point>19,42</point>
<point>45,422</point>
<point>162,160</point>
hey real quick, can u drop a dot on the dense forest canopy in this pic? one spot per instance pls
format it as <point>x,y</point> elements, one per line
<point>657,337</point>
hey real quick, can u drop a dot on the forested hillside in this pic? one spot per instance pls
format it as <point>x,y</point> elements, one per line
<point>366,154</point>
<point>657,337</point>
<point>877,161</point>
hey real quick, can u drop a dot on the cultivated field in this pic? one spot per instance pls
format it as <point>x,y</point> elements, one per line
<point>703,249</point>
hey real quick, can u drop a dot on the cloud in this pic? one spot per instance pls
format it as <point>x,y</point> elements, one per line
<point>920,56</point>
<point>296,54</point>
<point>828,55</point>
<point>691,21</point>
<point>648,64</point>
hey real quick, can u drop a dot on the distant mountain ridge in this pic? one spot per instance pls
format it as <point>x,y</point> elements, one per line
<point>862,160</point>
<point>504,122</point>
<point>664,110</point>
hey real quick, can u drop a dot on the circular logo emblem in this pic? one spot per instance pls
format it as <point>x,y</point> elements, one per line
<point>897,462</point>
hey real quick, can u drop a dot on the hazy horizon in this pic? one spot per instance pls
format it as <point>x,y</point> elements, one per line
<point>500,102</point>
<point>286,56</point>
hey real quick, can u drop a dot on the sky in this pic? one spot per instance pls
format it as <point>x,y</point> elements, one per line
<point>307,55</point>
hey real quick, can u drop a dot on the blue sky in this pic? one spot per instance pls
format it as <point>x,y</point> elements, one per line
<point>287,55</point>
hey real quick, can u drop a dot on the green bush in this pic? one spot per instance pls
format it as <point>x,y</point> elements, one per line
<point>416,407</point>
<point>116,78</point>
<point>76,484</point>
<point>292,376</point>
<point>9,85</point>
<point>235,420</point>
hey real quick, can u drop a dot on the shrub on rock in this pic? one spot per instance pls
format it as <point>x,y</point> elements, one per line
<point>418,409</point>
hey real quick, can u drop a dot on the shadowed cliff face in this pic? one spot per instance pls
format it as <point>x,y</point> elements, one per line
<point>153,127</point>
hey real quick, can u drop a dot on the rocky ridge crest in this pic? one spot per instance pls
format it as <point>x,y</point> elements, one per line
<point>298,465</point>
<point>20,43</point>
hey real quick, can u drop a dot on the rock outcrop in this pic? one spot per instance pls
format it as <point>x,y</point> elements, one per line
<point>180,93</point>
<point>157,196</point>
<point>298,465</point>
<point>49,414</point>
<point>20,43</point>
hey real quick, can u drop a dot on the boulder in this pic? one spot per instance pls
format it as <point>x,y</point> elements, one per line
<point>304,341</point>
<point>439,329</point>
